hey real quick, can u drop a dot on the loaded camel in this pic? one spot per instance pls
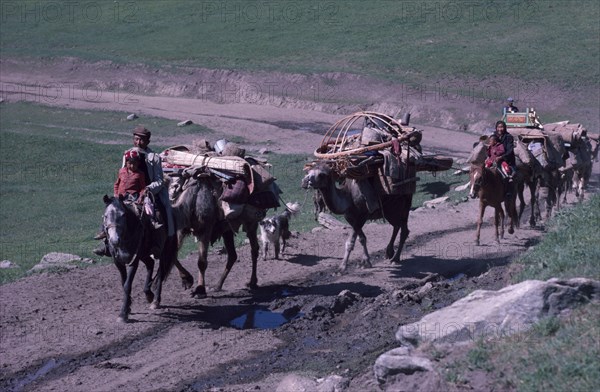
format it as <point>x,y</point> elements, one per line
<point>197,212</point>
<point>347,200</point>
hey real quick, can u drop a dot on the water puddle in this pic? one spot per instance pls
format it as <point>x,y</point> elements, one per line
<point>261,319</point>
<point>41,372</point>
<point>456,277</point>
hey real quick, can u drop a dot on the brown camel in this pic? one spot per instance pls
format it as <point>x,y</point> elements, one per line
<point>487,184</point>
<point>197,211</point>
<point>349,201</point>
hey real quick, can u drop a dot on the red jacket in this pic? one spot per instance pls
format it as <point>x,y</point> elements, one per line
<point>129,182</point>
<point>494,152</point>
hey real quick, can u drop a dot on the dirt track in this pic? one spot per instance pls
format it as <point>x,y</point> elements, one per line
<point>59,331</point>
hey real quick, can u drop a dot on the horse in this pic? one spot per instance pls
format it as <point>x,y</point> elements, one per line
<point>130,238</point>
<point>488,185</point>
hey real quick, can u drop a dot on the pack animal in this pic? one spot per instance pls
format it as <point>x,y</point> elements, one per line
<point>197,212</point>
<point>276,230</point>
<point>347,200</point>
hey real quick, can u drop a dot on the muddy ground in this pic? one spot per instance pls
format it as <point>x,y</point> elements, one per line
<point>59,331</point>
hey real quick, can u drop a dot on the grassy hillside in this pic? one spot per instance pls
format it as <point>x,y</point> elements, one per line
<point>408,41</point>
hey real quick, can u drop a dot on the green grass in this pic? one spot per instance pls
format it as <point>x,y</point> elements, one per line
<point>416,41</point>
<point>558,353</point>
<point>570,249</point>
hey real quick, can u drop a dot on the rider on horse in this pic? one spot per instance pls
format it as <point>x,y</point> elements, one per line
<point>507,141</point>
<point>151,166</point>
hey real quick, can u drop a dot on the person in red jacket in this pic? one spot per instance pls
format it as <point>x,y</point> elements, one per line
<point>131,180</point>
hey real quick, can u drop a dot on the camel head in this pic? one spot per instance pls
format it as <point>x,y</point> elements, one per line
<point>318,176</point>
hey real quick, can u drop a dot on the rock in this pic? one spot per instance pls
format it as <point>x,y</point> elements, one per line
<point>425,289</point>
<point>132,117</point>
<point>399,361</point>
<point>7,264</point>
<point>184,123</point>
<point>434,202</point>
<point>333,383</point>
<point>296,383</point>
<point>59,260</point>
<point>263,151</point>
<point>499,313</point>
<point>344,300</point>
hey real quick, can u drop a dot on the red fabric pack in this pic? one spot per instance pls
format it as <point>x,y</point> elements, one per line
<point>235,192</point>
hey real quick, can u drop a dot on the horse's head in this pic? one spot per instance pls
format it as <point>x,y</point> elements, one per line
<point>476,178</point>
<point>318,176</point>
<point>123,229</point>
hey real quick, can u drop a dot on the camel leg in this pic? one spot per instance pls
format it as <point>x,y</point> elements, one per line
<point>532,203</point>
<point>479,222</point>
<point>126,308</point>
<point>500,211</point>
<point>200,290</point>
<point>231,258</point>
<point>366,260</point>
<point>349,246</point>
<point>187,281</point>
<point>149,263</point>
<point>389,250</point>
<point>254,249</point>
<point>520,190</point>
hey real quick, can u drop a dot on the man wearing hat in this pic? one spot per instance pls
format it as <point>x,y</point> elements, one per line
<point>510,108</point>
<point>151,165</point>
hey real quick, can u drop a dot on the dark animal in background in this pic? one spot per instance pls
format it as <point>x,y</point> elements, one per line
<point>277,228</point>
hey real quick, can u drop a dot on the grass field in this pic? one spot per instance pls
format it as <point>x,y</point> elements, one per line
<point>552,41</point>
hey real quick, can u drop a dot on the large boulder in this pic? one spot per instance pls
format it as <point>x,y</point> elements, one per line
<point>512,309</point>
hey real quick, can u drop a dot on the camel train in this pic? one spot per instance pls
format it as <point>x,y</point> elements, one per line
<point>365,169</point>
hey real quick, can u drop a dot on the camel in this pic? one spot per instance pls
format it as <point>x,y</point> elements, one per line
<point>348,200</point>
<point>487,184</point>
<point>196,210</point>
<point>130,240</point>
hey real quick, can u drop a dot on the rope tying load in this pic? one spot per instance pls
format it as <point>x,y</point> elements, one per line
<point>360,145</point>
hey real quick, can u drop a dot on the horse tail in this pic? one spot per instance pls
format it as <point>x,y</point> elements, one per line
<point>168,257</point>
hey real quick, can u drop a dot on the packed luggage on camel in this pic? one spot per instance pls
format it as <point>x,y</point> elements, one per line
<point>374,159</point>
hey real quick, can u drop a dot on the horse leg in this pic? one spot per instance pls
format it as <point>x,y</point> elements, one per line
<point>254,249</point>
<point>149,263</point>
<point>126,308</point>
<point>404,232</point>
<point>200,290</point>
<point>480,221</point>
<point>231,257</point>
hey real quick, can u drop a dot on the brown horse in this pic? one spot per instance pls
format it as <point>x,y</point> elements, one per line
<point>488,185</point>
